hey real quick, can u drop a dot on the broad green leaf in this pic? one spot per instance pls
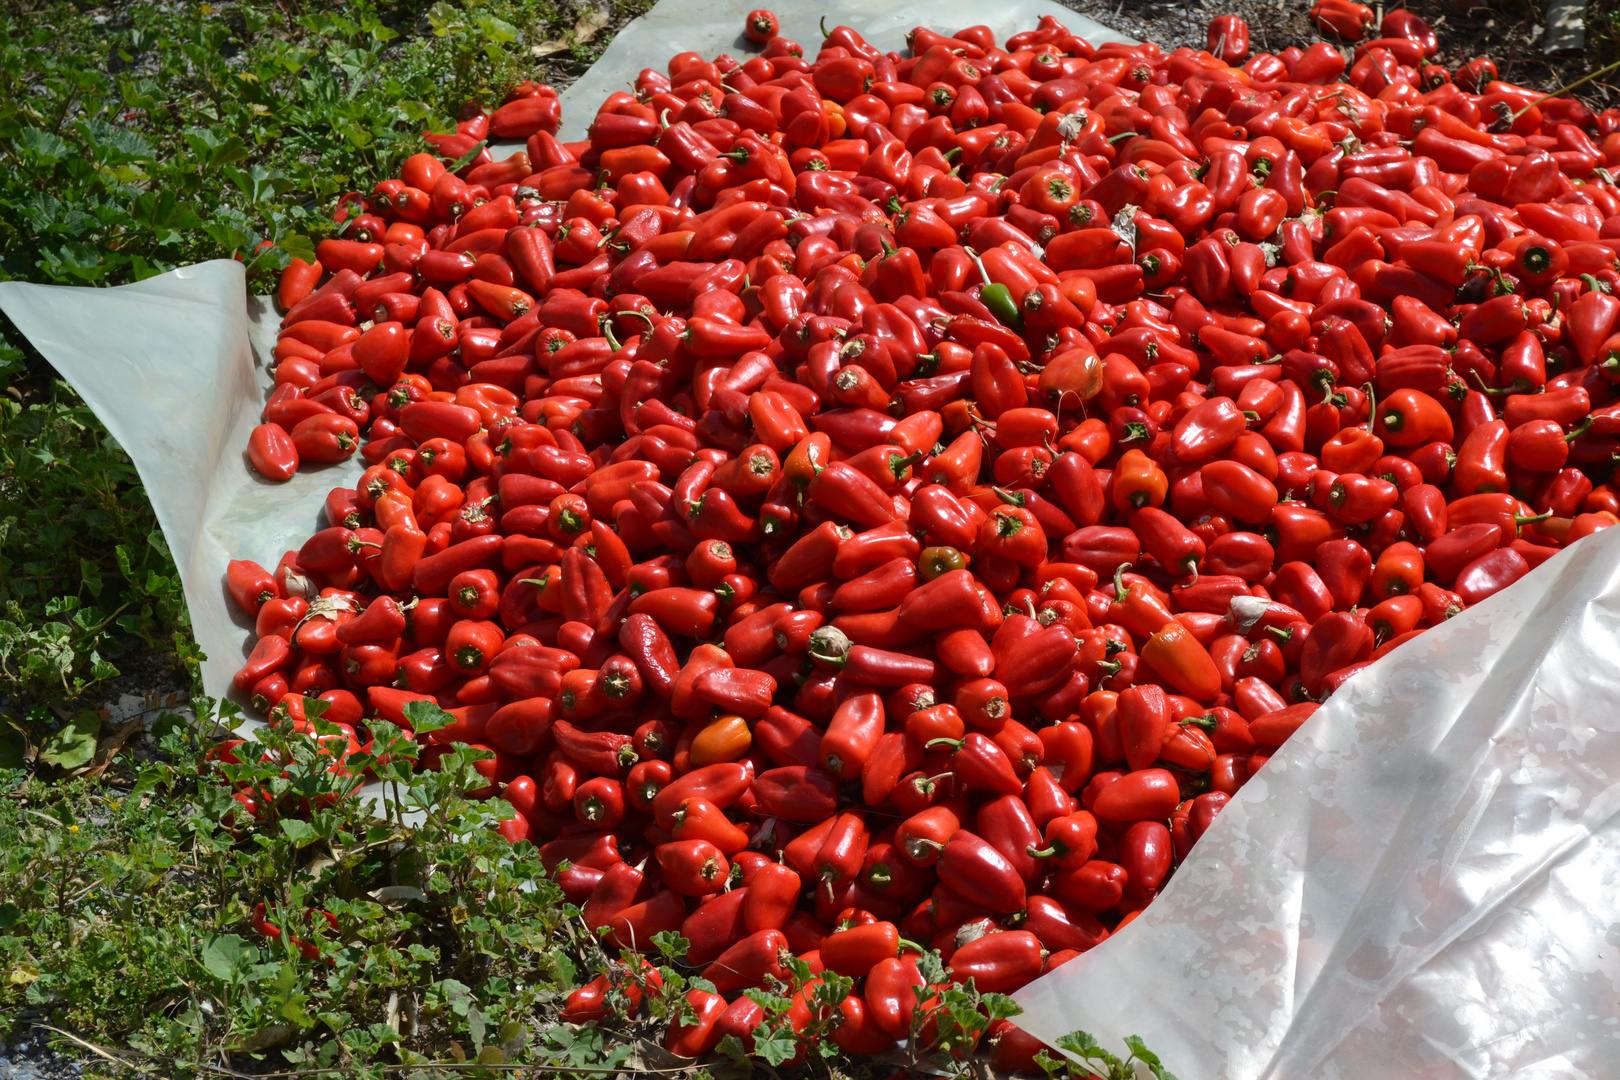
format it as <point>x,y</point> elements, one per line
<point>1139,1050</point>
<point>90,574</point>
<point>38,147</point>
<point>227,956</point>
<point>113,145</point>
<point>776,1045</point>
<point>426,716</point>
<point>299,832</point>
<point>731,1048</point>
<point>298,246</point>
<point>74,745</point>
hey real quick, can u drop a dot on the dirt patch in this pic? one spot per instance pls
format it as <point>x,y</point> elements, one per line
<point>583,29</point>
<point>1507,31</point>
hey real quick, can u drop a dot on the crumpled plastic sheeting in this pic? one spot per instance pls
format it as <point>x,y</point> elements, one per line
<point>712,27</point>
<point>177,367</point>
<point>1423,883</point>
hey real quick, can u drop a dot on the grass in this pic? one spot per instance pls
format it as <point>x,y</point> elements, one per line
<point>129,916</point>
<point>143,137</point>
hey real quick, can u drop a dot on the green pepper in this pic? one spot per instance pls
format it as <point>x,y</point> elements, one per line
<point>998,298</point>
<point>935,561</point>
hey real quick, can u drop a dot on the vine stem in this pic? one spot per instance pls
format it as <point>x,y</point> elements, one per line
<point>1566,89</point>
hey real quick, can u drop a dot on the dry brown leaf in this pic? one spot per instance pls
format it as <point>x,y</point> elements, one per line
<point>589,23</point>
<point>108,745</point>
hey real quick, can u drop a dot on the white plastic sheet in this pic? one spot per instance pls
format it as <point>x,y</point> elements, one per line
<point>1422,883</point>
<point>176,366</point>
<point>715,26</point>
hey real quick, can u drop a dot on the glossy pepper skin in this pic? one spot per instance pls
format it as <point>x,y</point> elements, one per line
<point>876,502</point>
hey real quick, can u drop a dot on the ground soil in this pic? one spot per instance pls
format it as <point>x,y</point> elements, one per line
<point>1507,31</point>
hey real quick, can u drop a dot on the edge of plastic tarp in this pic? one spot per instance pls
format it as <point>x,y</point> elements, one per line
<point>1420,883</point>
<point>715,26</point>
<point>177,367</point>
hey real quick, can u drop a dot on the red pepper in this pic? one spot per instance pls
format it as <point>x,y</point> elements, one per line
<point>857,950</point>
<point>980,873</point>
<point>804,794</point>
<point>890,999</point>
<point>1148,795</point>
<point>698,1036</point>
<point>999,963</point>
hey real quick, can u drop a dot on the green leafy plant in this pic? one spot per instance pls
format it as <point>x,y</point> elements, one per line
<point>251,902</point>
<point>1101,1063</point>
<point>147,138</point>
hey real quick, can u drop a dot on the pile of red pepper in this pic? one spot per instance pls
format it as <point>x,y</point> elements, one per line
<point>881,498</point>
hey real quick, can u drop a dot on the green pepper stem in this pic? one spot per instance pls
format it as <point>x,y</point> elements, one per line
<point>1121,590</point>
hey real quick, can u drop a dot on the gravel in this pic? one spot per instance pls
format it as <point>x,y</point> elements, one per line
<point>30,1057</point>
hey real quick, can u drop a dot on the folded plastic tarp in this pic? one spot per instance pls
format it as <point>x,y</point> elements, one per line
<point>1424,882</point>
<point>177,367</point>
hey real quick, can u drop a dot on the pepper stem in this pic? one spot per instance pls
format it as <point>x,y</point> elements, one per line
<point>984,275</point>
<point>1121,590</point>
<point>1588,77</point>
<point>605,322</point>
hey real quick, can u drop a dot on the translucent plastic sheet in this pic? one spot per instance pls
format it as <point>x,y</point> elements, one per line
<point>715,26</point>
<point>176,366</point>
<point>1421,884</point>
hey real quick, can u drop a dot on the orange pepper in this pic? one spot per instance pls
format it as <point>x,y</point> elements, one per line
<point>725,738</point>
<point>1138,482</point>
<point>1182,662</point>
